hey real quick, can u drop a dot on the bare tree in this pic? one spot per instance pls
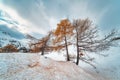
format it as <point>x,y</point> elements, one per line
<point>42,44</point>
<point>87,40</point>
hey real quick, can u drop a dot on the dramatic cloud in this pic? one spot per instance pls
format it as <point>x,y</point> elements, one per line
<point>31,11</point>
<point>40,16</point>
<point>43,15</point>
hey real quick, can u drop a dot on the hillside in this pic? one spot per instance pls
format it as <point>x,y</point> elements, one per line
<point>11,31</point>
<point>36,67</point>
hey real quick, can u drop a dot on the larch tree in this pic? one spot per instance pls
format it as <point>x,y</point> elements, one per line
<point>9,48</point>
<point>63,31</point>
<point>45,41</point>
<point>41,45</point>
<point>87,40</point>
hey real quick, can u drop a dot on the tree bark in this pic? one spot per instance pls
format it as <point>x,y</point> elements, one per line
<point>43,48</point>
<point>42,51</point>
<point>45,44</point>
<point>68,58</point>
<point>77,62</point>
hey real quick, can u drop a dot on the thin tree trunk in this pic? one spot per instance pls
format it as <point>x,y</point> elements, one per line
<point>68,58</point>
<point>77,62</point>
<point>45,44</point>
<point>42,50</point>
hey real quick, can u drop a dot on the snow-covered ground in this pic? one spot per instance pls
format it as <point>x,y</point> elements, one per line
<point>107,67</point>
<point>21,66</point>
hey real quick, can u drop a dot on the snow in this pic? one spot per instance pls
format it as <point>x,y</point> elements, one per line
<point>19,66</point>
<point>56,56</point>
<point>108,67</point>
<point>11,29</point>
<point>11,32</point>
<point>23,66</point>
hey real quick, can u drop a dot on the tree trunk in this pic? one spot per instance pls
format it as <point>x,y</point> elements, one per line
<point>77,62</point>
<point>45,44</point>
<point>68,58</point>
<point>42,51</point>
<point>43,48</point>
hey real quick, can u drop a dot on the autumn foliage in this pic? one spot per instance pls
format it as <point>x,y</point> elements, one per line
<point>9,48</point>
<point>41,45</point>
<point>63,31</point>
<point>80,33</point>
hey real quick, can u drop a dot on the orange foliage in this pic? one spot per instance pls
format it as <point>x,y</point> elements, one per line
<point>9,48</point>
<point>35,50</point>
<point>64,28</point>
<point>0,50</point>
<point>41,44</point>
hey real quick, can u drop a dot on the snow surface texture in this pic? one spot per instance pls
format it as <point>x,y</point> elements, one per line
<point>17,66</point>
<point>106,67</point>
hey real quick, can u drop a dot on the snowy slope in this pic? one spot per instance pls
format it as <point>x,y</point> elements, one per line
<point>12,31</point>
<point>36,67</point>
<point>7,20</point>
<point>5,31</point>
<point>9,35</point>
<point>108,67</point>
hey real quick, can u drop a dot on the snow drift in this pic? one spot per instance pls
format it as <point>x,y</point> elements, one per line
<point>17,66</point>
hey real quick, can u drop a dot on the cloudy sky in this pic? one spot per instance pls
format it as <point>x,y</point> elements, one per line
<point>43,15</point>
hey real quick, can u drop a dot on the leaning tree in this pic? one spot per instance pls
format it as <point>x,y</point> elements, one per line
<point>41,45</point>
<point>87,40</point>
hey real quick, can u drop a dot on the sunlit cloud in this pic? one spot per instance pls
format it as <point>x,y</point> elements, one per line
<point>43,15</point>
<point>15,16</point>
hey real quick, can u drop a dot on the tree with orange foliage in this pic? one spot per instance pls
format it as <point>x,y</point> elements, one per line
<point>9,48</point>
<point>0,50</point>
<point>64,30</point>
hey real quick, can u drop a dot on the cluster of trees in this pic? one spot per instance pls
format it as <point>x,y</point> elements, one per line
<point>8,48</point>
<point>82,34</point>
<point>13,46</point>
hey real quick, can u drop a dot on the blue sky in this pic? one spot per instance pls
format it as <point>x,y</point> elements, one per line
<point>45,14</point>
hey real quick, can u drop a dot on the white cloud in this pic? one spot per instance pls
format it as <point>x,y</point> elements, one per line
<point>41,18</point>
<point>53,22</point>
<point>81,9</point>
<point>25,25</point>
<point>13,14</point>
